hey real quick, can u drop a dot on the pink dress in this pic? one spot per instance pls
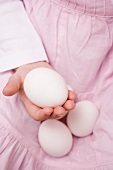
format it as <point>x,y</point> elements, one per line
<point>78,39</point>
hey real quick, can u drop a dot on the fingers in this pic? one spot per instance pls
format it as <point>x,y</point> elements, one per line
<point>58,112</point>
<point>71,95</point>
<point>69,105</point>
<point>61,111</point>
<point>13,85</point>
<point>36,112</point>
<point>48,112</point>
<point>42,114</point>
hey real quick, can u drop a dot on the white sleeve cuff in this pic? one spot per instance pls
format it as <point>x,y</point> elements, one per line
<point>20,58</point>
<point>19,41</point>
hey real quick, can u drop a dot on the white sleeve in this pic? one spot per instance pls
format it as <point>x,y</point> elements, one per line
<point>19,42</point>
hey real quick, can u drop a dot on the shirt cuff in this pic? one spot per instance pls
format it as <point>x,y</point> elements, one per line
<point>21,58</point>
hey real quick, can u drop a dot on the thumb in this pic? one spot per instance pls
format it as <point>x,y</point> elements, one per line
<point>13,85</point>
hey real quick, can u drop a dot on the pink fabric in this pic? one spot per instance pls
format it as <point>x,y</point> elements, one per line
<point>78,39</point>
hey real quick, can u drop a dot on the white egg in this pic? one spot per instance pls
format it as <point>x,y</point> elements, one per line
<point>82,119</point>
<point>55,138</point>
<point>45,87</point>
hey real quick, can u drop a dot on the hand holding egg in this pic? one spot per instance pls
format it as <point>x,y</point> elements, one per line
<point>45,88</point>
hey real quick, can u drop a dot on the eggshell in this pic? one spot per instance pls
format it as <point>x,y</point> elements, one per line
<point>55,138</point>
<point>45,87</point>
<point>82,119</point>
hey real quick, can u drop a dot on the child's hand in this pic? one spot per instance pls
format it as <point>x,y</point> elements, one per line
<point>15,84</point>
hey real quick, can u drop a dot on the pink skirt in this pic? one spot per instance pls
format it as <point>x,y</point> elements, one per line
<point>78,39</point>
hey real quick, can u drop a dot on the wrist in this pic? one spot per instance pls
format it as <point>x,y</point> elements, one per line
<point>34,65</point>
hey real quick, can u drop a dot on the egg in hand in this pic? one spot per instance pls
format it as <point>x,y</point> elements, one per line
<point>45,88</point>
